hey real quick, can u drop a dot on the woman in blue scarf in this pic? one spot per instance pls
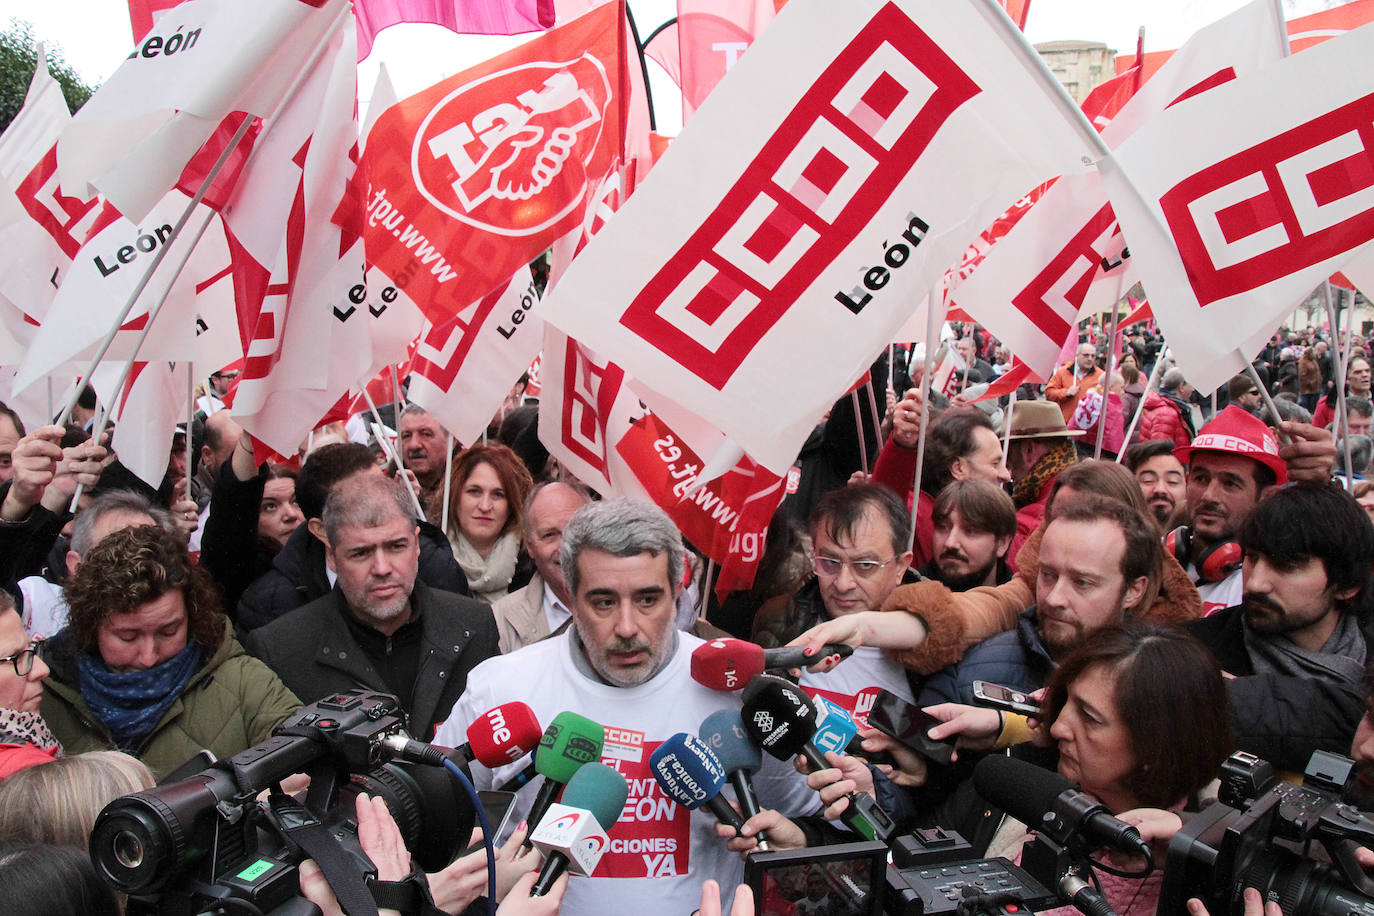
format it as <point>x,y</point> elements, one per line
<point>147,664</point>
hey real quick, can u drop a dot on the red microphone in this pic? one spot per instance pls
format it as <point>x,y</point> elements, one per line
<point>729,664</point>
<point>502,735</point>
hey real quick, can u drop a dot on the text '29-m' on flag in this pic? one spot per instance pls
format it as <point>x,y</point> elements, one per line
<point>798,220</point>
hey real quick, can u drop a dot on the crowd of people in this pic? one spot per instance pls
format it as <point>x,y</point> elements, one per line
<point>1172,575</point>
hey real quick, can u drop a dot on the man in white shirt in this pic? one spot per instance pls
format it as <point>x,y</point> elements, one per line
<point>623,664</point>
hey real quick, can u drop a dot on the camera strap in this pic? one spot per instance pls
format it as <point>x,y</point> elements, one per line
<point>304,830</point>
<point>409,895</point>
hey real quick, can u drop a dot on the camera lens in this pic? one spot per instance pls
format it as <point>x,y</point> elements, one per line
<point>128,849</point>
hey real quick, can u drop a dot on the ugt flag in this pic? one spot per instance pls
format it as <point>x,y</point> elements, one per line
<point>472,178</point>
<point>1237,202</point>
<point>797,221</point>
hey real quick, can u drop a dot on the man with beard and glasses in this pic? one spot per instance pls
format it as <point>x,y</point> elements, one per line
<point>625,665</point>
<point>1162,479</point>
<point>1294,642</point>
<point>380,627</point>
<point>974,526</point>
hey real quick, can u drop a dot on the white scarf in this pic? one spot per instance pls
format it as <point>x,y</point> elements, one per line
<point>488,578</point>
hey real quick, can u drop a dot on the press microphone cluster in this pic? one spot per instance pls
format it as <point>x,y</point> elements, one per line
<point>569,744</point>
<point>692,775</point>
<point>572,835</point>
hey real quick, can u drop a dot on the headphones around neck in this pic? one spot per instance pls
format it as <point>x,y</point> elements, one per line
<point>1213,564</point>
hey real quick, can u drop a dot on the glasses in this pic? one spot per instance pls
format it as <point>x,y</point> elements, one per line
<point>861,569</point>
<point>23,659</point>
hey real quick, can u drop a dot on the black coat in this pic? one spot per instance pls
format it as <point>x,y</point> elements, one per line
<point>297,576</point>
<point>312,650</point>
<point>1280,719</point>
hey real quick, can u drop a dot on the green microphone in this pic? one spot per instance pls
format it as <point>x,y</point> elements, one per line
<point>570,742</point>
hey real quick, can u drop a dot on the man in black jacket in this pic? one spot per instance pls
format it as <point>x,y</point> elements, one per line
<point>380,627</point>
<point>1296,643</point>
<point>299,574</point>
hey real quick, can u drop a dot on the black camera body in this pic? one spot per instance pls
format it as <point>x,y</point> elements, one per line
<point>1261,834</point>
<point>934,872</point>
<point>180,847</point>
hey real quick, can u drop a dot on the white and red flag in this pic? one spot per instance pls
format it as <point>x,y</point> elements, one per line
<point>1237,202</point>
<point>193,69</point>
<point>146,413</point>
<point>796,222</point>
<point>478,174</point>
<point>711,36</point>
<point>1067,257</point>
<point>464,367</point>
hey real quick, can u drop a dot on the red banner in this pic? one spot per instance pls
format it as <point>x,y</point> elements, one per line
<point>475,176</point>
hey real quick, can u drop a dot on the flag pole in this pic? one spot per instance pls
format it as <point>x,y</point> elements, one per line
<point>396,390</point>
<point>180,224</point>
<point>448,479</point>
<point>1006,426</point>
<point>1107,383</point>
<point>859,428</point>
<point>873,409</point>
<point>391,453</point>
<point>1342,418</point>
<point>1140,408</point>
<point>935,317</point>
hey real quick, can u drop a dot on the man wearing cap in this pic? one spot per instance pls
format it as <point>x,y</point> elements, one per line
<point>1041,447</point>
<point>1070,381</point>
<point>1233,460</point>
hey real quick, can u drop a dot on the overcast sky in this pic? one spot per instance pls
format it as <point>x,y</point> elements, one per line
<point>94,34</point>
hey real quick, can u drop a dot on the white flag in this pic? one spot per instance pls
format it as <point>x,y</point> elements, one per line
<point>1066,257</point>
<point>1237,202</point>
<point>790,229</point>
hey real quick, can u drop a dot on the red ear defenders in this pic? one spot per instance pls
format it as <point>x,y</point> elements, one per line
<point>1213,564</point>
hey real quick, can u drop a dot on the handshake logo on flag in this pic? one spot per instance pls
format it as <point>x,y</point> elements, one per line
<point>520,163</point>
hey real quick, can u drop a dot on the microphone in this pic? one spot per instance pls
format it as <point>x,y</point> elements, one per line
<point>1044,800</point>
<point>573,833</point>
<point>502,735</point>
<point>691,775</point>
<point>569,742</point>
<point>781,719</point>
<point>729,664</point>
<point>724,734</point>
<point>836,727</point>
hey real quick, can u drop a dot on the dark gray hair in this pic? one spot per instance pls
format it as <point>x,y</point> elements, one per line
<point>1362,406</point>
<point>83,529</point>
<point>1172,379</point>
<point>1361,452</point>
<point>365,501</point>
<point>622,527</point>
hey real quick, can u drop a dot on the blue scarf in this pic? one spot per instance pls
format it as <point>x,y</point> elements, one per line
<point>130,703</point>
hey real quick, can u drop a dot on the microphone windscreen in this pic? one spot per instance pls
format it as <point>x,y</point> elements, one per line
<point>726,664</point>
<point>599,789</point>
<point>724,733</point>
<point>836,727</point>
<point>778,715</point>
<point>1023,790</point>
<point>570,742</point>
<point>687,771</point>
<point>503,735</point>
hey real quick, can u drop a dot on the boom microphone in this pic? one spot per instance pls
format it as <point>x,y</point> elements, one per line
<point>573,834</point>
<point>1045,801</point>
<point>781,719</point>
<point>570,742</point>
<point>691,775</point>
<point>729,664</point>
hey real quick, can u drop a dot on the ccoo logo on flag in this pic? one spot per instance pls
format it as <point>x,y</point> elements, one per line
<point>510,152</point>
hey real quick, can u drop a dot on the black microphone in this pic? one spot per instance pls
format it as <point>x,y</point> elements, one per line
<point>1047,802</point>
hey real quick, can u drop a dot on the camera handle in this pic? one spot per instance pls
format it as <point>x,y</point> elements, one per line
<point>1343,854</point>
<point>300,827</point>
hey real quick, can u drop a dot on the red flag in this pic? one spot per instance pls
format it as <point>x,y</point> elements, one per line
<point>1008,381</point>
<point>483,17</point>
<point>475,176</point>
<point>711,36</point>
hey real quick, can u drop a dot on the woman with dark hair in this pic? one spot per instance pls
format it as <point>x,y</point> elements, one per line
<point>52,881</point>
<point>1138,718</point>
<point>489,485</point>
<point>146,663</point>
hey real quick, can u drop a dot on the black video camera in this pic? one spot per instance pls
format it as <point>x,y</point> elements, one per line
<point>182,848</point>
<point>1261,835</point>
<point>933,871</point>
